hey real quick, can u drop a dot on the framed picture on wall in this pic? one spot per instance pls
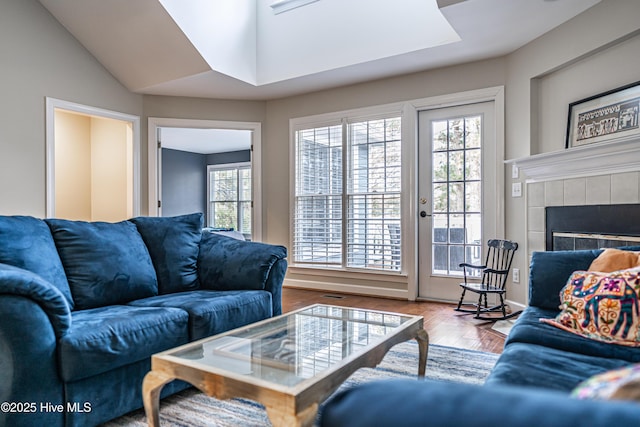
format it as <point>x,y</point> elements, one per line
<point>604,117</point>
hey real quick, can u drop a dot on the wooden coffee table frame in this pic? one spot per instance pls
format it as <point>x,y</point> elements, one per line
<point>286,406</point>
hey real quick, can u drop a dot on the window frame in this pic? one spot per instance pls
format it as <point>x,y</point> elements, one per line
<point>344,119</point>
<point>229,166</point>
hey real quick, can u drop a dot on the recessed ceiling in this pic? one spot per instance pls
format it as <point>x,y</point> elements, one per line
<point>240,49</point>
<point>205,141</point>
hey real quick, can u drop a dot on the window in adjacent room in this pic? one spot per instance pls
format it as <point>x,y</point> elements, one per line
<point>229,202</point>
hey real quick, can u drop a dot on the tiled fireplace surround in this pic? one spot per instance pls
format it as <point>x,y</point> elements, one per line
<point>621,188</point>
<point>597,174</point>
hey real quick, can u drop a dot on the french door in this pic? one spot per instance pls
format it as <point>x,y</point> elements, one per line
<point>457,194</point>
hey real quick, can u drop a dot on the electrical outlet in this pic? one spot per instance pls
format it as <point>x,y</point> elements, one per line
<point>516,275</point>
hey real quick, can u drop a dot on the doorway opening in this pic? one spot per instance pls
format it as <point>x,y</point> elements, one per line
<point>92,163</point>
<point>210,167</point>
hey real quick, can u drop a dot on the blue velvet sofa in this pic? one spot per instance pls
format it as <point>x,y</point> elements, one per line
<point>529,386</point>
<point>83,306</point>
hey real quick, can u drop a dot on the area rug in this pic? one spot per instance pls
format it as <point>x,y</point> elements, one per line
<point>504,326</point>
<point>194,409</point>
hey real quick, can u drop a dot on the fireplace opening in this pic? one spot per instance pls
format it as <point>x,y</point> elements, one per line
<point>592,226</point>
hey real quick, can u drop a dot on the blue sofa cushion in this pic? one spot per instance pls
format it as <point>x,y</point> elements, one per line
<point>26,242</point>
<point>549,272</point>
<point>529,329</point>
<point>225,263</point>
<point>213,312</point>
<point>173,243</point>
<point>102,339</point>
<point>105,263</point>
<point>532,365</point>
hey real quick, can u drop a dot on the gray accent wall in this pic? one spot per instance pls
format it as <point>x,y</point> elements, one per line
<point>229,157</point>
<point>184,182</point>
<point>184,178</point>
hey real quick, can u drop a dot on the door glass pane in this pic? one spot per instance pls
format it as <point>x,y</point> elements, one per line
<point>440,140</point>
<point>456,165</point>
<point>473,134</point>
<point>456,229</point>
<point>472,165</point>
<point>440,259</point>
<point>473,227</point>
<point>457,193</point>
<point>440,167</point>
<point>440,228</point>
<point>440,198</point>
<point>456,134</point>
<point>456,257</point>
<point>456,197</point>
<point>473,197</point>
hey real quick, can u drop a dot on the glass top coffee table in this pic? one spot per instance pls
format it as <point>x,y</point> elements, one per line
<point>289,363</point>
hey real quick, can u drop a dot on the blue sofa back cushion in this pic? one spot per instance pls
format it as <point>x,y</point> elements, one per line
<point>549,272</point>
<point>105,263</point>
<point>173,243</point>
<point>26,242</point>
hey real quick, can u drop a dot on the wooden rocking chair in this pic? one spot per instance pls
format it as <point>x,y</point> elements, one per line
<point>494,275</point>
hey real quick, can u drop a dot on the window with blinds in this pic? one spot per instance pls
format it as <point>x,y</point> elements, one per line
<point>230,198</point>
<point>353,222</point>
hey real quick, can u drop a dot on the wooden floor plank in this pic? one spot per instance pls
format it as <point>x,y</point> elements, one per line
<point>444,325</point>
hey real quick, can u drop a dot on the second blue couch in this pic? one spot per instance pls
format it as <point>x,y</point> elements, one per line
<point>530,385</point>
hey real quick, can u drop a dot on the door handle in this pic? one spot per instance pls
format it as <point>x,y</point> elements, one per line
<point>424,214</point>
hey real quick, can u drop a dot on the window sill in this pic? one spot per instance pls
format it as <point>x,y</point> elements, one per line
<point>378,275</point>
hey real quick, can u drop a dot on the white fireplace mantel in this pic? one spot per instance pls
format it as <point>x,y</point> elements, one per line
<point>621,155</point>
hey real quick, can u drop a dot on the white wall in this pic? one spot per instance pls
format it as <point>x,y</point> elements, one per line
<point>41,59</point>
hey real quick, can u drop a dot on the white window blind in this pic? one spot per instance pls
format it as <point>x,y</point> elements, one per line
<point>353,223</point>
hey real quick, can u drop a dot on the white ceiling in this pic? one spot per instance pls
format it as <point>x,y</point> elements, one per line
<point>205,141</point>
<point>239,49</point>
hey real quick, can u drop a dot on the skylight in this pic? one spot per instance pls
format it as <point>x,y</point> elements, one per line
<point>281,6</point>
<point>246,40</point>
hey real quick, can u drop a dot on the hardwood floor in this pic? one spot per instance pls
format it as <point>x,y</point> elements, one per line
<point>444,325</point>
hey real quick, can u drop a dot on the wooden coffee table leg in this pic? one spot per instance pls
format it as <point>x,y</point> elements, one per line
<point>423,345</point>
<point>151,388</point>
<point>281,417</point>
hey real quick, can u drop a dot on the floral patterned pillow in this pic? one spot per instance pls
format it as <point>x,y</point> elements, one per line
<point>620,384</point>
<point>601,306</point>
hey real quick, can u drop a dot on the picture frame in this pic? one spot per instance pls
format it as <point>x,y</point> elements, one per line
<point>604,117</point>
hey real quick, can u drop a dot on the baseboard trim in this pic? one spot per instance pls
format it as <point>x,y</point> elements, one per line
<point>372,291</point>
<point>515,306</point>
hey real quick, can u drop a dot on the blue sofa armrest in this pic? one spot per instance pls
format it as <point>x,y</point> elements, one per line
<point>225,263</point>
<point>34,315</point>
<point>405,403</point>
<point>18,282</point>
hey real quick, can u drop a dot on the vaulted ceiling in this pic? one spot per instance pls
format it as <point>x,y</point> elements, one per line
<point>241,49</point>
